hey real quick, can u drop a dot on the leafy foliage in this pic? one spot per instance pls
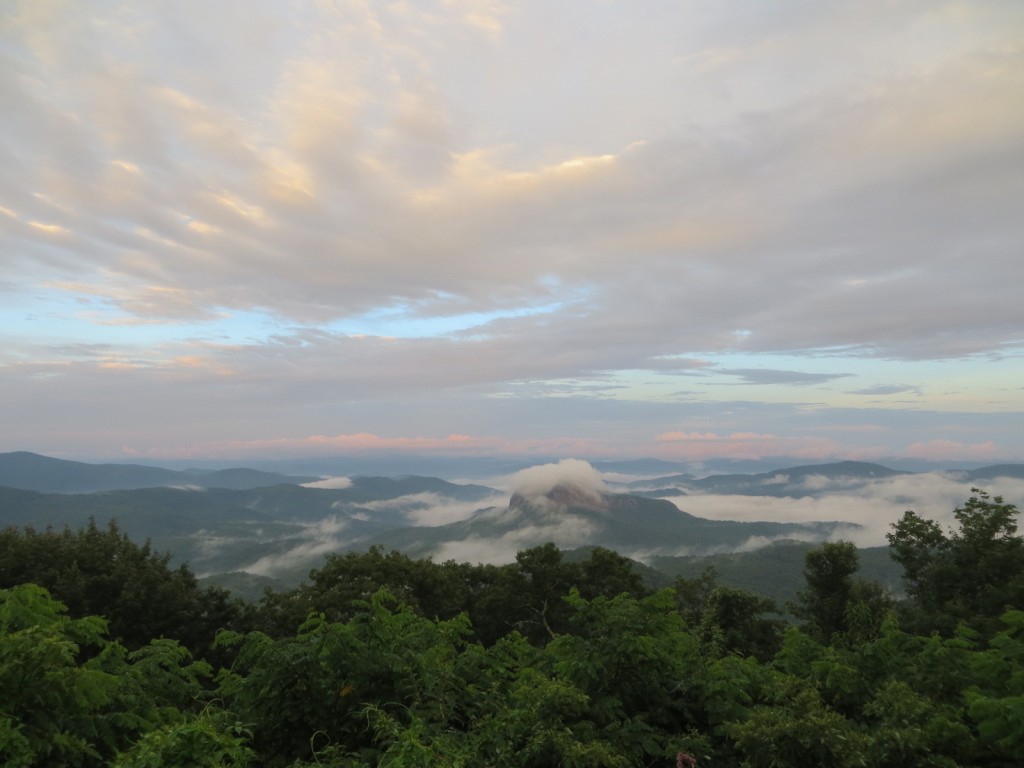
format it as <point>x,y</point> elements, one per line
<point>970,575</point>
<point>199,742</point>
<point>525,596</point>
<point>71,696</point>
<point>727,619</point>
<point>835,603</point>
<point>573,664</point>
<point>96,571</point>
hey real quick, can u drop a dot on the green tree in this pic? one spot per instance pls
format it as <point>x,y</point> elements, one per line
<point>525,595</point>
<point>605,573</point>
<point>49,702</point>
<point>321,682</point>
<point>71,696</point>
<point>743,623</point>
<point>972,574</point>
<point>835,604</point>
<point>532,592</point>
<point>796,729</point>
<point>729,619</point>
<point>828,572</point>
<point>996,699</point>
<point>209,740</point>
<point>543,580</point>
<point>631,658</point>
<point>101,572</point>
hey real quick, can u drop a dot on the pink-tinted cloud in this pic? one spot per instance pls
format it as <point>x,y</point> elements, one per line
<point>697,446</point>
<point>940,450</point>
<point>366,443</point>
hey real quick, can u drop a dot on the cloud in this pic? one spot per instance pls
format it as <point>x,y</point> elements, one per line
<point>770,376</point>
<point>887,389</point>
<point>707,437</point>
<point>940,449</point>
<point>531,220</point>
<point>679,365</point>
<point>433,509</point>
<point>317,539</point>
<point>364,443</point>
<point>209,546</point>
<point>573,474</point>
<point>760,542</point>
<point>874,506</point>
<point>257,196</point>
<point>568,530</point>
<point>822,482</point>
<point>695,446</point>
<point>330,482</point>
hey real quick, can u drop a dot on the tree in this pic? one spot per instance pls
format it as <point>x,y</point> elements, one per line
<point>609,574</point>
<point>797,729</point>
<point>632,658</point>
<point>49,702</point>
<point>71,696</point>
<point>693,595</point>
<point>969,575</point>
<point>743,623</point>
<point>543,580</point>
<point>206,741</point>
<point>101,572</point>
<point>828,572</point>
<point>835,603</point>
<point>729,619</point>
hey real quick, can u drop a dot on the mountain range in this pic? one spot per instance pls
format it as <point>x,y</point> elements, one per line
<point>267,525</point>
<point>32,472</point>
<point>572,517</point>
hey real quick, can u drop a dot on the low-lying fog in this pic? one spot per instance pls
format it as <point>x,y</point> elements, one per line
<point>872,504</point>
<point>875,505</point>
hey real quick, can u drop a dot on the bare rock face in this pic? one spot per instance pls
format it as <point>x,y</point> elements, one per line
<point>564,496</point>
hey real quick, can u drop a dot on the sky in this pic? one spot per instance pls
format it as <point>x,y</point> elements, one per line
<point>584,228</point>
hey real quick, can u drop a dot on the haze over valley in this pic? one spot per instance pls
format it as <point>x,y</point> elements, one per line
<point>248,528</point>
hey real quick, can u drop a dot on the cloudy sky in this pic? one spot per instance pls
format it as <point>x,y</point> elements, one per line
<point>579,228</point>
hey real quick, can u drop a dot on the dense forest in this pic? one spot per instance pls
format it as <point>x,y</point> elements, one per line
<point>111,657</point>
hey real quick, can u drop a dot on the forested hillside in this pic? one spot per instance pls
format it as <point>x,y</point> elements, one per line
<point>108,656</point>
<point>283,530</point>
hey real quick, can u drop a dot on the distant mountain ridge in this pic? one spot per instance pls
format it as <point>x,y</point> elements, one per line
<point>794,481</point>
<point>269,524</point>
<point>571,517</point>
<point>810,480</point>
<point>991,472</point>
<point>221,529</point>
<point>289,526</point>
<point>805,480</point>
<point>34,472</point>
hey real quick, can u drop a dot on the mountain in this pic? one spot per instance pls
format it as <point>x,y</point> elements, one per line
<point>284,530</point>
<point>991,472</point>
<point>795,482</point>
<point>240,478</point>
<point>264,530</point>
<point>810,480</point>
<point>572,517</point>
<point>248,526</point>
<point>637,466</point>
<point>32,472</point>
